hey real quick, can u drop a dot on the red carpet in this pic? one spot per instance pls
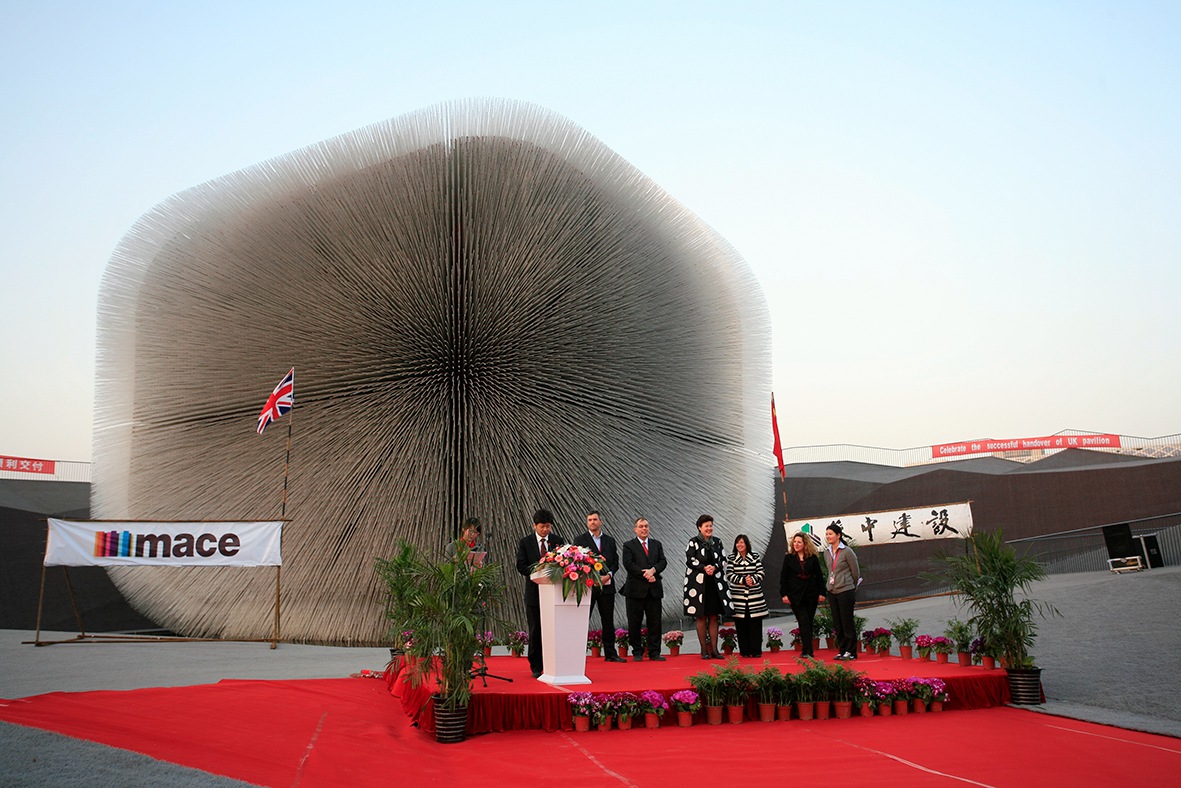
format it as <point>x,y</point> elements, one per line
<point>527,704</point>
<point>352,732</point>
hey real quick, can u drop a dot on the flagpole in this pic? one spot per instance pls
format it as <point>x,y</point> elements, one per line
<point>283,516</point>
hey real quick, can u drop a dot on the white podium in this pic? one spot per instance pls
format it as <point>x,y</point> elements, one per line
<point>563,634</point>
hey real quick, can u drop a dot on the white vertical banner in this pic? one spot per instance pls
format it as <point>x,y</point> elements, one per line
<point>119,543</point>
<point>901,526</point>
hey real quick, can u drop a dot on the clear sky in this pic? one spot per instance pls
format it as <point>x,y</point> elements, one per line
<point>966,217</point>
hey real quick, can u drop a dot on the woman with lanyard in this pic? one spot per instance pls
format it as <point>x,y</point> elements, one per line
<point>841,590</point>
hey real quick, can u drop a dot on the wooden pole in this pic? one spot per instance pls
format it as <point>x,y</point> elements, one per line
<point>40,600</point>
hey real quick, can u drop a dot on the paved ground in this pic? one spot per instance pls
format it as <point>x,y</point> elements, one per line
<point>1110,658</point>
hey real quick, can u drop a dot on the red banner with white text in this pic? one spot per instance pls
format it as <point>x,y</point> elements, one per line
<point>1046,443</point>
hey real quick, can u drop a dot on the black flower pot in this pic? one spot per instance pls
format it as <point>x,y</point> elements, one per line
<point>1025,686</point>
<point>450,724</point>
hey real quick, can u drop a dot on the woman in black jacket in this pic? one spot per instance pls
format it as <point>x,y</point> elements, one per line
<point>800,582</point>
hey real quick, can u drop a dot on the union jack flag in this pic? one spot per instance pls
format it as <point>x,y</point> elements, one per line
<point>282,399</point>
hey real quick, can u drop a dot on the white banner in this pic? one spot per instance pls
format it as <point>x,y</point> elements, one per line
<point>941,521</point>
<point>79,543</point>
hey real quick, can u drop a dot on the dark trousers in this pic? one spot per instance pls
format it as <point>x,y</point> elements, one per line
<point>805,613</point>
<point>638,610</point>
<point>843,628</point>
<point>750,636</point>
<point>533,620</point>
<point>606,605</point>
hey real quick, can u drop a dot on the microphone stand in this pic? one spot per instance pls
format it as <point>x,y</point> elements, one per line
<point>480,664</point>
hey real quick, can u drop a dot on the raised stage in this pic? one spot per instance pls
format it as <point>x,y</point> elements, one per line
<point>528,704</point>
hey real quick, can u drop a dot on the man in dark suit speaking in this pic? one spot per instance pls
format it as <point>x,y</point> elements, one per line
<point>644,562</point>
<point>529,551</point>
<point>594,539</point>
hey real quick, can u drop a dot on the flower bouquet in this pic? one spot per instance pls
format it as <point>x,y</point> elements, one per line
<point>577,568</point>
<point>517,641</point>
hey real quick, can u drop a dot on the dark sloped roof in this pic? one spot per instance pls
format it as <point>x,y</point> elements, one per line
<point>66,499</point>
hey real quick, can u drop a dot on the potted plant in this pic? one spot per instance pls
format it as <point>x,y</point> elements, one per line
<point>444,601</point>
<point>942,647</point>
<point>622,640</point>
<point>652,706</point>
<point>886,694</point>
<point>736,683</point>
<point>919,691</point>
<point>804,686</point>
<point>769,687</point>
<point>729,639</point>
<point>822,628</point>
<point>924,644</point>
<point>903,630</point>
<point>710,690</point>
<point>625,706</point>
<point>486,640</point>
<point>594,641</point>
<point>859,623</point>
<point>842,685</point>
<point>938,693</point>
<point>582,708</point>
<point>517,641</point>
<point>902,696</point>
<point>674,639</point>
<point>960,633</point>
<point>796,643</point>
<point>822,691</point>
<point>865,696</point>
<point>877,640</point>
<point>602,714</point>
<point>982,654</point>
<point>774,639</point>
<point>994,583</point>
<point>686,702</point>
<point>786,698</point>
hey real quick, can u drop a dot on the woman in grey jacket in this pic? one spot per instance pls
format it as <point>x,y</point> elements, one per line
<point>840,588</point>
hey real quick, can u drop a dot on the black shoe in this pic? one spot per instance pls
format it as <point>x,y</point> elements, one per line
<point>657,658</point>
<point>706,655</point>
<point>840,657</point>
<point>638,657</point>
<point>537,674</point>
<point>613,658</point>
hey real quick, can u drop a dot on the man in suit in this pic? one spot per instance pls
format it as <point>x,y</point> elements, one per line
<point>529,551</point>
<point>604,598</point>
<point>644,562</point>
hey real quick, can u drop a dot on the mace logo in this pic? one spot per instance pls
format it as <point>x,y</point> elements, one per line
<point>125,544</point>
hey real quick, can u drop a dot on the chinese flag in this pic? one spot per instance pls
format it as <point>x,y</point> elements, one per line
<point>778,445</point>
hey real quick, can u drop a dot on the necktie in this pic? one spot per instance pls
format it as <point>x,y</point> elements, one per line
<point>644,544</point>
<point>544,546</point>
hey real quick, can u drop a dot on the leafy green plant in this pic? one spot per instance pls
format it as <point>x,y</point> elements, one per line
<point>736,682</point>
<point>769,683</point>
<point>708,687</point>
<point>842,682</point>
<point>822,623</point>
<point>960,633</point>
<point>443,601</point>
<point>904,629</point>
<point>988,577</point>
